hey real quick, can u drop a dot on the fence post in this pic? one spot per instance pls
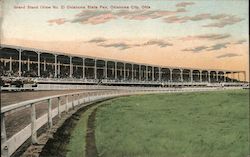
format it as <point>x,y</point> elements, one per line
<point>78,96</point>
<point>66,105</point>
<point>88,95</point>
<point>58,105</point>
<point>33,124</point>
<point>50,113</point>
<point>4,146</point>
<point>83,99</point>
<point>73,107</point>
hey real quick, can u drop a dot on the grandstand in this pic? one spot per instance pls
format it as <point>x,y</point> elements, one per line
<point>42,67</point>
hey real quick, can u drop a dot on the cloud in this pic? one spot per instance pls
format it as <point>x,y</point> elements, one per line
<point>227,20</point>
<point>160,43</point>
<point>196,49</point>
<point>207,37</point>
<point>208,48</point>
<point>123,45</point>
<point>58,21</point>
<point>240,41</point>
<point>120,45</point>
<point>175,19</point>
<point>95,17</point>
<point>218,46</point>
<point>228,55</point>
<point>184,4</point>
<point>219,20</point>
<point>97,40</point>
<point>98,17</point>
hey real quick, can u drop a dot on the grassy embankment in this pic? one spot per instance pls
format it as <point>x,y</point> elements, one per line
<point>208,124</point>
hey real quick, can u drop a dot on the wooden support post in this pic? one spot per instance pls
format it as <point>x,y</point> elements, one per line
<point>59,105</point>
<point>33,124</point>
<point>4,146</point>
<point>50,113</point>
<point>66,105</point>
<point>78,97</point>
<point>73,106</point>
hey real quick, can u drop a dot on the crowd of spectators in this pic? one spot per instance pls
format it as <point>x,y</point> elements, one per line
<point>31,71</point>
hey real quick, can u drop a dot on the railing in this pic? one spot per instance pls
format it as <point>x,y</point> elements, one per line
<point>9,146</point>
<point>70,87</point>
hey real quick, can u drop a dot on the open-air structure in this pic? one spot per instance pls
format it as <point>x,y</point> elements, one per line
<point>29,62</point>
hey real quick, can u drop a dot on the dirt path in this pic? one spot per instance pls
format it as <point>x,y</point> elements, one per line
<point>57,146</point>
<point>91,150</point>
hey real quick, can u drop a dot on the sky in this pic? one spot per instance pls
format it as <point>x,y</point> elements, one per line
<point>206,34</point>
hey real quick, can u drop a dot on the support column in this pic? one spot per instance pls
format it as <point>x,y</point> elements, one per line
<point>55,66</point>
<point>139,72</point>
<point>38,64</point>
<point>171,75</point>
<point>159,73</point>
<point>191,77</point>
<point>217,77</point>
<point>20,63</point>
<point>181,75</point>
<point>83,68</point>
<point>135,74</point>
<point>132,65</point>
<point>200,75</point>
<point>209,79</point>
<point>28,66</point>
<point>238,76</point>
<point>115,70</point>
<point>44,65</point>
<point>106,69</point>
<point>10,63</point>
<point>59,68</point>
<point>124,71</point>
<point>128,73</point>
<point>95,70</point>
<point>146,73</point>
<point>70,67</point>
<point>153,73</point>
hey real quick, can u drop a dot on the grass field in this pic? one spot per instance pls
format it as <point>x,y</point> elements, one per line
<point>208,124</point>
<point>76,147</point>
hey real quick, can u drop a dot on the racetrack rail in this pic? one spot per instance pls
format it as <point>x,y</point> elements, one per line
<point>9,146</point>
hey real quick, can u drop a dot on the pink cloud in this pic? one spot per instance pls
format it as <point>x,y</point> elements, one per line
<point>59,21</point>
<point>100,19</point>
<point>184,4</point>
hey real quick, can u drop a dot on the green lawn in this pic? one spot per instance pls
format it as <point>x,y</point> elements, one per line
<point>208,124</point>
